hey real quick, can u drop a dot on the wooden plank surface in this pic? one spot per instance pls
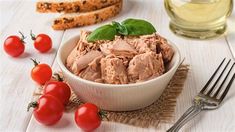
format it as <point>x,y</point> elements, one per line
<point>8,9</point>
<point>16,87</point>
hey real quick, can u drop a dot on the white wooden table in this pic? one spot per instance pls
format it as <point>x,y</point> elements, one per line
<point>16,86</point>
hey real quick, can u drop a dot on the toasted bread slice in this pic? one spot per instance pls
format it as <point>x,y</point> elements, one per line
<point>82,19</point>
<point>69,6</point>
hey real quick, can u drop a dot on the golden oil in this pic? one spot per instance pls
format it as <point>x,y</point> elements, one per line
<point>198,18</point>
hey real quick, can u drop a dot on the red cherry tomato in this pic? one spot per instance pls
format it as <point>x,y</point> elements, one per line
<point>58,89</point>
<point>41,73</point>
<point>88,117</point>
<point>14,45</point>
<point>48,110</point>
<point>42,42</point>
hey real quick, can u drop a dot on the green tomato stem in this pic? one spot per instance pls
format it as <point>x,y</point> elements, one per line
<point>57,77</point>
<point>34,61</point>
<point>103,115</point>
<point>22,37</point>
<point>33,37</point>
<point>32,104</point>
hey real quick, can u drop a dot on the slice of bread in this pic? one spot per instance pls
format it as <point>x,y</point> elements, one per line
<point>69,6</point>
<point>82,19</point>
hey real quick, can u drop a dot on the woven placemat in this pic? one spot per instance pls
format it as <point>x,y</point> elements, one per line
<point>161,111</point>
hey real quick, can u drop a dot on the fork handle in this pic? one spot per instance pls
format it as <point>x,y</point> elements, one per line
<point>187,116</point>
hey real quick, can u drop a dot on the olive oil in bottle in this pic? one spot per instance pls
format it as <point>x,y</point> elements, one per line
<point>198,18</point>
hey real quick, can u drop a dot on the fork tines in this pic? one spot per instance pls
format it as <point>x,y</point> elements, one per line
<point>220,87</point>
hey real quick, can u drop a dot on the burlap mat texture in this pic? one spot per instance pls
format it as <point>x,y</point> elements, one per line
<point>161,111</point>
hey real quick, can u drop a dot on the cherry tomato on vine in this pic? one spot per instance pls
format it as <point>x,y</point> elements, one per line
<point>58,89</point>
<point>14,45</point>
<point>48,110</point>
<point>42,42</point>
<point>41,73</point>
<point>88,117</point>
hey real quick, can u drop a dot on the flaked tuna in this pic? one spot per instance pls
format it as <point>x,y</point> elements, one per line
<point>144,43</point>
<point>145,66</point>
<point>76,60</point>
<point>83,61</point>
<point>113,70</point>
<point>153,42</point>
<point>128,59</point>
<point>165,49</point>
<point>93,71</point>
<point>118,47</point>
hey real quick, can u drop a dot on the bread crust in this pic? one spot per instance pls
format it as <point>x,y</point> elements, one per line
<point>73,6</point>
<point>82,19</point>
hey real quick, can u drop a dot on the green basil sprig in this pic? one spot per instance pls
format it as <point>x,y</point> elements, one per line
<point>120,28</point>
<point>127,27</point>
<point>106,32</point>
<point>138,27</point>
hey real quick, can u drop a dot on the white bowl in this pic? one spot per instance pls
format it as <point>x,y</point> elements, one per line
<point>124,97</point>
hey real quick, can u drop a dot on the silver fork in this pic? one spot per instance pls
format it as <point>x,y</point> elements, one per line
<point>207,99</point>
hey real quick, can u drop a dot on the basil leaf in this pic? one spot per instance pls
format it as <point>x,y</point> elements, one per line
<point>106,32</point>
<point>127,27</point>
<point>138,27</point>
<point>120,28</point>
